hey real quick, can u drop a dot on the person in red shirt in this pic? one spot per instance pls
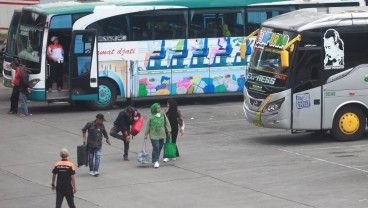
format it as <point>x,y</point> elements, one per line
<point>55,54</point>
<point>14,98</point>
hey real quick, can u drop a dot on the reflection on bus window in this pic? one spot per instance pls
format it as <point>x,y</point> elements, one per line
<point>159,25</point>
<point>216,23</point>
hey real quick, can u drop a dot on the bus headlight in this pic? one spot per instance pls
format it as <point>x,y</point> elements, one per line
<point>33,82</point>
<point>274,106</point>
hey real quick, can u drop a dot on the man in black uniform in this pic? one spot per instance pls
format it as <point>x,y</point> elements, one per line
<point>65,186</point>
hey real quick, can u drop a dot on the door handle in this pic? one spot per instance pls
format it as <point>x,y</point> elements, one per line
<point>93,80</point>
<point>317,102</point>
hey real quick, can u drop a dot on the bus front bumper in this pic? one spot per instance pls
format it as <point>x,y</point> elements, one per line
<point>268,120</point>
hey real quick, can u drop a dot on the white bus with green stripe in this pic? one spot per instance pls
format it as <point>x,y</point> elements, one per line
<point>119,49</point>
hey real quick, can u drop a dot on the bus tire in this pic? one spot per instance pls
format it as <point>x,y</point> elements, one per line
<point>107,96</point>
<point>349,124</point>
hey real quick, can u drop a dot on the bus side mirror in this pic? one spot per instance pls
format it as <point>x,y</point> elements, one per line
<point>284,59</point>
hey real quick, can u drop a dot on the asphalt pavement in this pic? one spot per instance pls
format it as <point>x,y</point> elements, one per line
<point>225,162</point>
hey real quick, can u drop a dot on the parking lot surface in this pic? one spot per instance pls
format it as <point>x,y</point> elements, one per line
<point>225,162</point>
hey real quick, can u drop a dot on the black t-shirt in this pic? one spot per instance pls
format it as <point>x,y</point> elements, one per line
<point>64,170</point>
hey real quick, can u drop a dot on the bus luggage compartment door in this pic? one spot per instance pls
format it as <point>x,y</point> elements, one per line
<point>83,66</point>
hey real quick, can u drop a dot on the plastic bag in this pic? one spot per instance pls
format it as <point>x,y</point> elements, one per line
<point>143,157</point>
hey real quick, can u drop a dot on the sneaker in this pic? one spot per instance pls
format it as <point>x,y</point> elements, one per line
<point>59,89</point>
<point>22,115</point>
<point>173,159</point>
<point>166,160</point>
<point>49,90</point>
<point>126,157</point>
<point>91,173</point>
<point>12,112</point>
<point>96,173</point>
<point>156,165</point>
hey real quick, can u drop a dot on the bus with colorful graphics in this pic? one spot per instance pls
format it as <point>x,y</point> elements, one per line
<point>119,49</point>
<point>309,72</point>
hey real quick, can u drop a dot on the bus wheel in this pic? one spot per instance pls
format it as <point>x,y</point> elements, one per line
<point>107,96</point>
<point>349,124</point>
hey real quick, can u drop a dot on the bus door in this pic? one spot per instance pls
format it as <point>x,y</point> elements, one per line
<point>83,66</point>
<point>307,90</point>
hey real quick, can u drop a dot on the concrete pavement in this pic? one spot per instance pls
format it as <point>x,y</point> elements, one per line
<point>225,162</point>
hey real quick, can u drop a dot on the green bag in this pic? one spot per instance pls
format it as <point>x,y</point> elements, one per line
<point>169,147</point>
<point>169,150</point>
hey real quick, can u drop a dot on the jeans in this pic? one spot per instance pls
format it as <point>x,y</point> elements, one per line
<point>94,152</point>
<point>114,132</point>
<point>66,192</point>
<point>156,149</point>
<point>23,103</point>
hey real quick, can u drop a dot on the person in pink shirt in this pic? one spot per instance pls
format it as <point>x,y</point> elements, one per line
<point>14,98</point>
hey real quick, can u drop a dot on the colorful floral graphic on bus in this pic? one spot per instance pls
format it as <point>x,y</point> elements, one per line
<point>181,66</point>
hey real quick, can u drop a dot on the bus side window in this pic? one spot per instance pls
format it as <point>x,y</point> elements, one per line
<point>160,25</point>
<point>216,23</point>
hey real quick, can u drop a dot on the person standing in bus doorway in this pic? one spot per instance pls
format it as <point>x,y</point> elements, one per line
<point>24,91</point>
<point>15,92</point>
<point>65,184</point>
<point>176,123</point>
<point>55,54</point>
<point>157,125</point>
<point>122,124</point>
<point>96,129</point>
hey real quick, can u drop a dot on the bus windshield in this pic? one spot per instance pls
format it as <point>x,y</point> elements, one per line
<point>30,33</point>
<point>265,66</point>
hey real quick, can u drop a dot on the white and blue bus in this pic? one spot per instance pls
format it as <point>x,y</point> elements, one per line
<point>119,49</point>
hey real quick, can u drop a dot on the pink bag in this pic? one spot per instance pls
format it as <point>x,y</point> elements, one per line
<point>137,126</point>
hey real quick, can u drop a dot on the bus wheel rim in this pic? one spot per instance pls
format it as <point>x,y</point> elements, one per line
<point>349,123</point>
<point>104,94</point>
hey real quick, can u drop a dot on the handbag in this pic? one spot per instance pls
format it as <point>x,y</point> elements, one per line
<point>137,126</point>
<point>169,147</point>
<point>143,157</point>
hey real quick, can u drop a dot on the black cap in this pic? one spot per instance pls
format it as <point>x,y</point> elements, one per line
<point>100,116</point>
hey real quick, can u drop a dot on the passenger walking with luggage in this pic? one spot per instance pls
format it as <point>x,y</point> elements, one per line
<point>14,98</point>
<point>176,123</point>
<point>65,184</point>
<point>24,91</point>
<point>122,124</point>
<point>156,128</point>
<point>96,130</point>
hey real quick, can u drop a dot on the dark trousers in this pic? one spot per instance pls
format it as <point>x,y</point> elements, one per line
<point>67,193</point>
<point>174,136</point>
<point>14,98</point>
<point>114,132</point>
<point>56,74</point>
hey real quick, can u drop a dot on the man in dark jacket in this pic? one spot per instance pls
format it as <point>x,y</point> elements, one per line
<point>24,91</point>
<point>122,124</point>
<point>96,130</point>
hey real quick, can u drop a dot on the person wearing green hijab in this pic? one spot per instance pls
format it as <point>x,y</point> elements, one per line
<point>156,127</point>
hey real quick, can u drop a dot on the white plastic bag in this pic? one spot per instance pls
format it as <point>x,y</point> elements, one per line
<point>143,157</point>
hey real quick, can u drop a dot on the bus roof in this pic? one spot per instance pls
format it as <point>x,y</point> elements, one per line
<point>305,19</point>
<point>296,2</point>
<point>70,7</point>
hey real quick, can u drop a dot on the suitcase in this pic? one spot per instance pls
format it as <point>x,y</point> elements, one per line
<point>82,155</point>
<point>137,126</point>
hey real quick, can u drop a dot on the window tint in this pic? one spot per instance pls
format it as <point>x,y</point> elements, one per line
<point>112,29</point>
<point>159,25</point>
<point>61,21</point>
<point>255,16</point>
<point>216,23</point>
